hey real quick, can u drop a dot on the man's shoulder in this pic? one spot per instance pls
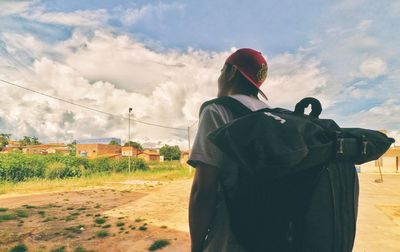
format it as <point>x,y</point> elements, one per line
<point>225,102</point>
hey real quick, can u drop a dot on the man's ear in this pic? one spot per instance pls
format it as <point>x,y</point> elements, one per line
<point>232,73</point>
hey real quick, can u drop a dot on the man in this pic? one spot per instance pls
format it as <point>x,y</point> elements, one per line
<point>241,77</point>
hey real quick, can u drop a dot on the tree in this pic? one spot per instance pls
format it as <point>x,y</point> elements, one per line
<point>4,138</point>
<point>72,148</point>
<point>134,144</point>
<point>170,152</point>
<point>27,140</point>
<point>113,142</point>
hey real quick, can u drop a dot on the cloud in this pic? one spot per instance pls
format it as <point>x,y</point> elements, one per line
<point>295,76</point>
<point>10,7</point>
<point>77,18</point>
<point>159,11</point>
<point>114,72</point>
<point>372,67</point>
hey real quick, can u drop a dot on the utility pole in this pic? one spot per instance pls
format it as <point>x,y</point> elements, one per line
<point>129,140</point>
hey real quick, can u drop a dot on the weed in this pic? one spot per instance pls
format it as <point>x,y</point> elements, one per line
<point>142,228</point>
<point>139,219</point>
<point>29,206</point>
<point>49,219</point>
<point>59,249</point>
<point>70,208</point>
<point>120,224</point>
<point>19,248</point>
<point>159,244</point>
<point>81,209</point>
<point>41,213</point>
<point>97,215</point>
<point>120,218</point>
<point>133,228</point>
<point>3,209</point>
<point>70,217</point>
<point>81,249</point>
<point>76,229</point>
<point>87,215</point>
<point>21,213</point>
<point>106,226</point>
<point>6,217</point>
<point>100,220</point>
<point>102,234</point>
<point>97,206</point>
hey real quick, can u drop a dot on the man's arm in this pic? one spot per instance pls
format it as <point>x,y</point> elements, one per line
<point>202,203</point>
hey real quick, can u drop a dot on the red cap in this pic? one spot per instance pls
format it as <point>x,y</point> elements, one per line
<point>251,64</point>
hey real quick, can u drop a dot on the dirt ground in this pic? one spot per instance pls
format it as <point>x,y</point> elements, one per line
<point>48,221</point>
<point>134,215</point>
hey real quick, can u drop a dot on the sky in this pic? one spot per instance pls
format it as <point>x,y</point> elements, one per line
<point>163,58</point>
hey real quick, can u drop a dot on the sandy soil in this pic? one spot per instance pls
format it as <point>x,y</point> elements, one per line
<point>160,208</point>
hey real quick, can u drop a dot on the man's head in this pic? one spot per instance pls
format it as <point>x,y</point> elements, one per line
<point>243,73</point>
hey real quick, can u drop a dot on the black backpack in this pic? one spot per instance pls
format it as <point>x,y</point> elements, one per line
<point>297,188</point>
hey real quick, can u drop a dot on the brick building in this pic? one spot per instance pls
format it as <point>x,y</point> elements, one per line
<point>98,150</point>
<point>45,149</point>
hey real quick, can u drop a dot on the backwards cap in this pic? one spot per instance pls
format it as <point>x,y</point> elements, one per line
<point>251,64</point>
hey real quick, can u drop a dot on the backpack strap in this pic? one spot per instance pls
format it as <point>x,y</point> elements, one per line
<point>236,107</point>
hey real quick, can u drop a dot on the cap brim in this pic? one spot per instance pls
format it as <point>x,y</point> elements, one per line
<point>254,84</point>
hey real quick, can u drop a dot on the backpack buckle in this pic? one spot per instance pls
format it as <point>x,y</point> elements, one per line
<point>339,143</point>
<point>364,144</point>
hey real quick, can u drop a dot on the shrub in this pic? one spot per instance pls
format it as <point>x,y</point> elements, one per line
<point>140,164</point>
<point>159,244</point>
<point>102,234</point>
<point>19,248</point>
<point>19,167</point>
<point>121,164</point>
<point>101,165</point>
<point>58,170</point>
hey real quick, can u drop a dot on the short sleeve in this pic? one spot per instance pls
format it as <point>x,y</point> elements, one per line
<point>203,149</point>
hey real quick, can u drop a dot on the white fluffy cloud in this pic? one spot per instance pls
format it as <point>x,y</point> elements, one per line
<point>372,68</point>
<point>9,7</point>
<point>76,18</point>
<point>112,73</point>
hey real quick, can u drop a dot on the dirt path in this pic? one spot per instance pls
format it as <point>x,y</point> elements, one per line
<point>131,216</point>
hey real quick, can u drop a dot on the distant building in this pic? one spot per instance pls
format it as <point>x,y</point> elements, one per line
<point>388,162</point>
<point>149,155</point>
<point>184,157</point>
<point>98,150</point>
<point>45,149</point>
<point>12,145</point>
<point>99,141</point>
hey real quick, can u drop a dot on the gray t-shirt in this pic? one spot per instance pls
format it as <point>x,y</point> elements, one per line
<point>220,238</point>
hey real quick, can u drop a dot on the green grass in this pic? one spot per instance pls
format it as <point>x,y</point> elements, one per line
<point>3,209</point>
<point>102,234</point>
<point>21,213</point>
<point>169,170</point>
<point>6,217</point>
<point>19,248</point>
<point>159,244</point>
<point>100,220</point>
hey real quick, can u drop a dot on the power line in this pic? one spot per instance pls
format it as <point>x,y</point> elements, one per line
<point>89,108</point>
